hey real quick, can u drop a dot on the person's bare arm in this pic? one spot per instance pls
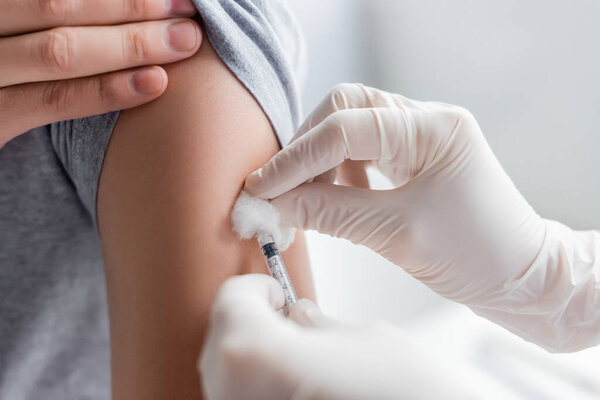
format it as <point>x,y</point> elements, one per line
<point>171,175</point>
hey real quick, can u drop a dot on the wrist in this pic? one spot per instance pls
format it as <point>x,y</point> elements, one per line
<point>556,302</point>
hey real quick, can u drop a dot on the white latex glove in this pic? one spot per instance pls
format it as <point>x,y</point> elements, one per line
<point>455,221</point>
<point>253,352</point>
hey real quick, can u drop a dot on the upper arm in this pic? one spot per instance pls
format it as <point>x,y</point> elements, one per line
<point>171,173</point>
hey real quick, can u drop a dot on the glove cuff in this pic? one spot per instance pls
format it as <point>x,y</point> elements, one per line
<point>556,302</point>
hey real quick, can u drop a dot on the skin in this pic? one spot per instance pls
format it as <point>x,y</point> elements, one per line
<point>172,172</point>
<point>59,57</point>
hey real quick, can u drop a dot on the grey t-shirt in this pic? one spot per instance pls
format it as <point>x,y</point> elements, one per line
<point>53,318</point>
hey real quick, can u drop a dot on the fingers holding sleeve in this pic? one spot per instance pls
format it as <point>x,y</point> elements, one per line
<point>47,102</point>
<point>73,52</point>
<point>20,16</point>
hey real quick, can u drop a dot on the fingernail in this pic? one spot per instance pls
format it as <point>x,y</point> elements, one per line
<point>147,81</point>
<point>182,36</point>
<point>181,7</point>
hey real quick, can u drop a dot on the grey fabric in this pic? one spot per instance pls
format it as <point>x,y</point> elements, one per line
<point>53,318</point>
<point>53,321</point>
<point>267,34</point>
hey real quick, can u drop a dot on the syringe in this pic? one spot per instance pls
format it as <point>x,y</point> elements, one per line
<point>278,270</point>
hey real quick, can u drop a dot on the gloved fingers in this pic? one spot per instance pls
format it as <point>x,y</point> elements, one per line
<point>359,215</point>
<point>242,297</point>
<point>306,313</point>
<point>357,134</point>
<point>244,319</point>
<point>344,97</point>
<point>245,340</point>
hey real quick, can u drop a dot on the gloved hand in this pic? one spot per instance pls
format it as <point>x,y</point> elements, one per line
<point>455,220</point>
<point>254,352</point>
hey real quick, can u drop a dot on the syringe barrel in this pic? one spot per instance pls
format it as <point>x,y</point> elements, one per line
<point>279,272</point>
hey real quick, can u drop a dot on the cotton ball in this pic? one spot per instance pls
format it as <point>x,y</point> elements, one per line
<point>254,217</point>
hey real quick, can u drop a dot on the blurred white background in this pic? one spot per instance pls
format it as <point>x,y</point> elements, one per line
<point>528,70</point>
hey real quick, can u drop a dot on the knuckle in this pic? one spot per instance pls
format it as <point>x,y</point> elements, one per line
<point>462,113</point>
<point>334,129</point>
<point>341,92</point>
<point>465,122</point>
<point>136,45</point>
<point>136,8</point>
<point>54,10</point>
<point>343,87</point>
<point>4,101</point>
<point>5,111</point>
<point>459,128</point>
<point>55,50</point>
<point>57,97</point>
<point>107,91</point>
<point>337,120</point>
